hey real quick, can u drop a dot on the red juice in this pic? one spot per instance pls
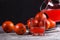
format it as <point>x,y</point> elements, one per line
<point>37,30</point>
<point>53,14</point>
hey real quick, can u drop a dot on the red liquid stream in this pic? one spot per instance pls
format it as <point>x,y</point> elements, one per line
<point>53,14</point>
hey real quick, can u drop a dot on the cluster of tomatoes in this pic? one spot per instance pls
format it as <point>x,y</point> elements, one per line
<point>41,19</point>
<point>20,28</point>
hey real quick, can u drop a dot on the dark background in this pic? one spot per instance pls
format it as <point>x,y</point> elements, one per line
<point>18,10</point>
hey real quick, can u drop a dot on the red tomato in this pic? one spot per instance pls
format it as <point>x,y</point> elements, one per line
<point>47,24</point>
<point>34,23</point>
<point>20,29</point>
<point>8,26</point>
<point>52,23</point>
<point>29,23</point>
<point>41,23</point>
<point>40,16</point>
<point>44,23</point>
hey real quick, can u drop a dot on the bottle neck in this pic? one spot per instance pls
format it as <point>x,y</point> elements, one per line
<point>53,4</point>
<point>55,1</point>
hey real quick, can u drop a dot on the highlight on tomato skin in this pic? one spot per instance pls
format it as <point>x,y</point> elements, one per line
<point>52,23</point>
<point>20,28</point>
<point>8,26</point>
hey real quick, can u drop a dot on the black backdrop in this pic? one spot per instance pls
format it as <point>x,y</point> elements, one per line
<point>18,10</point>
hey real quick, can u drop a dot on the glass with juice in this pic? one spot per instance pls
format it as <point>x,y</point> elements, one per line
<point>37,30</point>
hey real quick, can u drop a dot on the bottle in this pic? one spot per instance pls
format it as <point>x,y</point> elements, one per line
<point>52,9</point>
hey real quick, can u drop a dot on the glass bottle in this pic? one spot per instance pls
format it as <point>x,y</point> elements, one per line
<point>52,9</point>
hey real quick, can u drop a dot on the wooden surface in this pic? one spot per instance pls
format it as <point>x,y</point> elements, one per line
<point>49,35</point>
